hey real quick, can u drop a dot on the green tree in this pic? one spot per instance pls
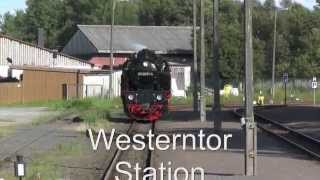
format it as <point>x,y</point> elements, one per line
<point>14,25</point>
<point>165,12</point>
<point>46,14</point>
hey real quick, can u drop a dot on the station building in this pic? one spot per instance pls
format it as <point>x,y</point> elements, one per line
<point>92,43</point>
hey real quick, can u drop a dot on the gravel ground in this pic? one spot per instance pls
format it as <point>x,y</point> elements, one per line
<point>302,118</point>
<point>15,116</point>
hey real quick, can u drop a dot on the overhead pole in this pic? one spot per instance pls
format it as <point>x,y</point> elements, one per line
<point>111,50</point>
<point>216,108</point>
<point>195,60</point>
<point>202,65</point>
<point>273,89</point>
<point>250,127</point>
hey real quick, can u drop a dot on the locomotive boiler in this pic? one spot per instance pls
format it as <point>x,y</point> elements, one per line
<point>146,86</point>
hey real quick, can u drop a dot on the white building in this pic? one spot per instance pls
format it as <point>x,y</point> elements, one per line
<point>18,53</point>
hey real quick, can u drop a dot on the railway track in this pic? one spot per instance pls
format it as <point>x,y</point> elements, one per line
<point>110,169</point>
<point>299,140</point>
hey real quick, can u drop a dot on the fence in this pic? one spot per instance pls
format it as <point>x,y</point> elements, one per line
<point>74,91</point>
<point>294,83</point>
<point>38,85</point>
<point>10,93</point>
<point>299,91</point>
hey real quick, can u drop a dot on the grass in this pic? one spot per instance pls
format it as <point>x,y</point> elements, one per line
<point>7,131</point>
<point>94,111</point>
<point>49,164</point>
<point>49,117</point>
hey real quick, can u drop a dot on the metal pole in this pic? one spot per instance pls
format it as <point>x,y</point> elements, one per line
<point>78,84</point>
<point>216,108</point>
<point>111,50</point>
<point>195,60</point>
<point>202,67</point>
<point>274,54</point>
<point>285,93</point>
<point>314,96</point>
<point>251,131</point>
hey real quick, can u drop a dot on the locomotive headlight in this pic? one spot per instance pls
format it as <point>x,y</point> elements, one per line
<point>145,64</point>
<point>131,97</point>
<point>159,97</point>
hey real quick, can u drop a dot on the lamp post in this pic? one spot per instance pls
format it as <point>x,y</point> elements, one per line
<point>111,50</point>
<point>274,54</point>
<point>195,59</point>
<point>273,89</point>
<point>114,3</point>
<point>216,108</point>
<point>202,65</point>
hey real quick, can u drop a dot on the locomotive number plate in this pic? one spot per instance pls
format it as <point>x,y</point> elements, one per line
<point>145,74</point>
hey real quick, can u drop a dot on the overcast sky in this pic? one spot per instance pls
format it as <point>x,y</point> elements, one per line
<point>13,5</point>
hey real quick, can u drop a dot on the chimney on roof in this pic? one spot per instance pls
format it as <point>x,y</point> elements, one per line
<point>41,37</point>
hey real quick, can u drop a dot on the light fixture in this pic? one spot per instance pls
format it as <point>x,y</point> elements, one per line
<point>145,64</point>
<point>131,97</point>
<point>9,60</point>
<point>159,97</point>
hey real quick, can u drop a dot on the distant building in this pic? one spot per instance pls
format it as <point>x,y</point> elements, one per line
<point>92,42</point>
<point>14,52</point>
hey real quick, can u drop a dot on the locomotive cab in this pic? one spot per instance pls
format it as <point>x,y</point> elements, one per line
<point>146,86</point>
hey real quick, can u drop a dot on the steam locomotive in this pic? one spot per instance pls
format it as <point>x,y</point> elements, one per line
<point>146,86</point>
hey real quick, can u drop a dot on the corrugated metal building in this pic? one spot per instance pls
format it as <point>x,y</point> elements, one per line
<point>92,42</point>
<point>19,53</point>
<point>95,39</point>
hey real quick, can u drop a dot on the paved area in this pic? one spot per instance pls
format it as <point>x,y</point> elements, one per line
<point>276,159</point>
<point>14,116</point>
<point>305,119</point>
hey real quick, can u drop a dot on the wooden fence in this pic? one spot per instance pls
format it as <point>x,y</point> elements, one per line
<point>10,93</point>
<point>40,85</point>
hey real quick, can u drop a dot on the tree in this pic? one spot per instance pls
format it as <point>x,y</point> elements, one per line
<point>14,25</point>
<point>46,14</point>
<point>165,12</point>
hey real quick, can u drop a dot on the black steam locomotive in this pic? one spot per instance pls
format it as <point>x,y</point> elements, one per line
<point>146,86</point>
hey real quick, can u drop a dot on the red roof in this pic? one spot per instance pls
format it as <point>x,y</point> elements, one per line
<point>104,62</point>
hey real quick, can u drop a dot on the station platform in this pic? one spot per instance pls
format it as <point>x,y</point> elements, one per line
<point>276,159</point>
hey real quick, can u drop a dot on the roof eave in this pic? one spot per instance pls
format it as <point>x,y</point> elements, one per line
<point>185,52</point>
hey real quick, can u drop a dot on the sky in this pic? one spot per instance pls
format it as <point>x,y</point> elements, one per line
<point>308,3</point>
<point>13,5</point>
